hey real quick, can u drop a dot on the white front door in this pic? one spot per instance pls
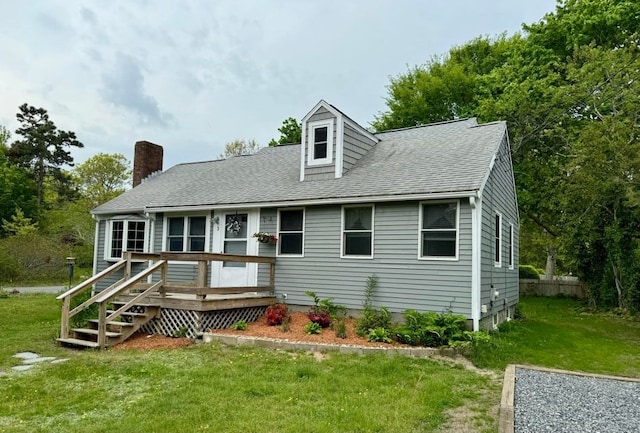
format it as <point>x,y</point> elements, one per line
<point>233,235</point>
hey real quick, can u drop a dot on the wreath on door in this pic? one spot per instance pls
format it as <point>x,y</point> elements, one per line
<point>234,225</point>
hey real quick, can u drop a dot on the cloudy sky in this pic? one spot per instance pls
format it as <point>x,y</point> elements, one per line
<point>192,75</point>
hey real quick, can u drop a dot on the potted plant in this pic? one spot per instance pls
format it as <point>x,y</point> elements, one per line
<point>265,238</point>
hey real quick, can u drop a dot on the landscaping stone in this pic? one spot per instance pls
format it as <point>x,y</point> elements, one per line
<point>29,359</point>
<point>26,355</point>
<point>22,367</point>
<point>38,360</point>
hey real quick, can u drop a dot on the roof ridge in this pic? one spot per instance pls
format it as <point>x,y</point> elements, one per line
<point>443,122</point>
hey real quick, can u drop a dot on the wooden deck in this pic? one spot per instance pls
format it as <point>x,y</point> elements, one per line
<point>141,298</point>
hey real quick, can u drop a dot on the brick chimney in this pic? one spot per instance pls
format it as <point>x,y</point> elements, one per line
<point>147,159</point>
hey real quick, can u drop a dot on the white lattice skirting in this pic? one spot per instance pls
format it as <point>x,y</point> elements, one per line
<point>193,323</point>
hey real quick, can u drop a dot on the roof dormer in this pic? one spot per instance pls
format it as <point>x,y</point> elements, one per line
<point>331,143</point>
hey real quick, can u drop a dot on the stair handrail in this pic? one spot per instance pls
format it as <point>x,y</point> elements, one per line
<point>66,296</point>
<point>89,282</point>
<point>102,299</point>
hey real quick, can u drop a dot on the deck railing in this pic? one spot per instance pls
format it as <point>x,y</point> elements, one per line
<point>156,262</point>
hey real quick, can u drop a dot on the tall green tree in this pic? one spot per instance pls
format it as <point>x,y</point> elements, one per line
<point>568,91</point>
<point>290,132</point>
<point>18,189</point>
<point>43,149</point>
<point>103,177</point>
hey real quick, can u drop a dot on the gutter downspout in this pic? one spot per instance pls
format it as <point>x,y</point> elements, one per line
<point>476,258</point>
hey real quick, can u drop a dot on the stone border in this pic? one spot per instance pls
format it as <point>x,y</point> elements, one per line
<point>275,343</point>
<point>507,407</point>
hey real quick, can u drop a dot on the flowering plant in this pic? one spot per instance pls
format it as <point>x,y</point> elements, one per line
<point>265,237</point>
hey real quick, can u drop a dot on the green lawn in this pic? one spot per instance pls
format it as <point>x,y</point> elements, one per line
<point>214,388</point>
<point>562,333</point>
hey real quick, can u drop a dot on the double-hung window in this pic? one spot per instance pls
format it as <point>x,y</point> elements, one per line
<point>186,233</point>
<point>357,231</point>
<point>125,235</point>
<point>320,146</point>
<point>290,232</point>
<point>497,244</point>
<point>439,230</point>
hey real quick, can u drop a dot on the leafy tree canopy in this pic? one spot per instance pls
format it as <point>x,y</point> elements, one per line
<point>290,132</point>
<point>239,148</point>
<point>43,149</point>
<point>568,89</point>
<point>103,177</point>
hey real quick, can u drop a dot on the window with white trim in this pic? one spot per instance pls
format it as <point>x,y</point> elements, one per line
<point>290,232</point>
<point>125,235</point>
<point>357,231</point>
<point>186,233</point>
<point>511,257</point>
<point>320,148</point>
<point>439,230</point>
<point>497,244</point>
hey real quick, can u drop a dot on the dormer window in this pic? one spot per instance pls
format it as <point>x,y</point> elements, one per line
<point>320,149</point>
<point>320,143</point>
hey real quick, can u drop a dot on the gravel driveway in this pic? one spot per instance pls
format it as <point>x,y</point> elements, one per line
<point>556,402</point>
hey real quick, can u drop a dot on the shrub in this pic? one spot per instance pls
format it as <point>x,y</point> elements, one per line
<point>379,335</point>
<point>276,314</point>
<point>340,328</point>
<point>240,325</point>
<point>33,258</point>
<point>320,317</point>
<point>324,311</point>
<point>372,317</point>
<point>431,329</point>
<point>312,328</point>
<point>528,272</point>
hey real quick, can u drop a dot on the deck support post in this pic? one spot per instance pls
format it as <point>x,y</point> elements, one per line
<point>203,271</point>
<point>64,322</point>
<point>102,325</point>
<point>272,276</point>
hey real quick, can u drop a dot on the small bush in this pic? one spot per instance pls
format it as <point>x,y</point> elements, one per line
<point>324,311</point>
<point>379,335</point>
<point>431,329</point>
<point>340,328</point>
<point>240,325</point>
<point>286,324</point>
<point>372,317</point>
<point>312,328</point>
<point>276,314</point>
<point>528,272</point>
<point>322,318</point>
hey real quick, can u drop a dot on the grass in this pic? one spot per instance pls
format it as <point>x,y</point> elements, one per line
<point>208,388</point>
<point>562,333</point>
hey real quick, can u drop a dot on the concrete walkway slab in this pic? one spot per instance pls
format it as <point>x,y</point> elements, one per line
<point>26,355</point>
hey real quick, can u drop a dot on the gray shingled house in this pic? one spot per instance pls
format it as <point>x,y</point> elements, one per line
<point>430,210</point>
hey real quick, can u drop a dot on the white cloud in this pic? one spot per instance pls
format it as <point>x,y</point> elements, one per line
<point>195,74</point>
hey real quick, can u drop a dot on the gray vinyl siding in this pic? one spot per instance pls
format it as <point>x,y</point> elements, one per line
<point>321,172</point>
<point>403,280</point>
<point>268,224</point>
<point>499,196</point>
<point>355,147</point>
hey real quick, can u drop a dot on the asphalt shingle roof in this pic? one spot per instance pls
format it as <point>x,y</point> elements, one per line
<point>447,157</point>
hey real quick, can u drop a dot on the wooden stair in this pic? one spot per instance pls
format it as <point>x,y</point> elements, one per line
<point>125,325</point>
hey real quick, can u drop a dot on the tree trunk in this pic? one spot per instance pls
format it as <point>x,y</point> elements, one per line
<point>550,268</point>
<point>618,281</point>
